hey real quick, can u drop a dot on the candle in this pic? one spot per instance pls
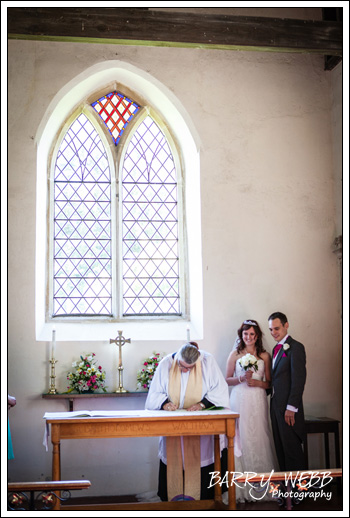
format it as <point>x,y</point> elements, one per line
<point>188,334</point>
<point>53,345</point>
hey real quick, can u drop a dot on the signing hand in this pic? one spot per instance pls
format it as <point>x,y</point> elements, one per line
<point>195,407</point>
<point>170,406</point>
<point>289,417</point>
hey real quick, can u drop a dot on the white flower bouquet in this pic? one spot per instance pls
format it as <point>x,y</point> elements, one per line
<point>248,361</point>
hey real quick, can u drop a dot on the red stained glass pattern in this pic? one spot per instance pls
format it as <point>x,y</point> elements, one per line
<point>116,111</point>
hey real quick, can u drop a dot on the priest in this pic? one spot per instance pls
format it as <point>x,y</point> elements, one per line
<point>189,379</point>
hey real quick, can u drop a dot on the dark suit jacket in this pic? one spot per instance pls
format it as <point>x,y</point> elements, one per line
<point>288,381</point>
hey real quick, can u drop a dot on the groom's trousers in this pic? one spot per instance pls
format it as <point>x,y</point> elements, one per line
<point>288,443</point>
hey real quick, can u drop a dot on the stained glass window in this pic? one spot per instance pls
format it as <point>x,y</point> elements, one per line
<point>116,111</point>
<point>150,225</point>
<point>82,224</point>
<point>147,231</point>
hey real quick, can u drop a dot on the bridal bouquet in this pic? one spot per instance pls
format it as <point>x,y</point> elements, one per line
<point>87,376</point>
<point>248,361</point>
<point>145,375</point>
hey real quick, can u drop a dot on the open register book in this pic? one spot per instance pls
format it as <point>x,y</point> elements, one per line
<point>91,413</point>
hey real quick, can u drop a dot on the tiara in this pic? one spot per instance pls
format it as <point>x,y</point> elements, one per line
<point>250,323</point>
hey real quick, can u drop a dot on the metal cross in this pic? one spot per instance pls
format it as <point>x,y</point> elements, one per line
<point>120,341</point>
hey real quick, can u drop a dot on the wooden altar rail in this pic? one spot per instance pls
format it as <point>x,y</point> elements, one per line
<point>54,487</point>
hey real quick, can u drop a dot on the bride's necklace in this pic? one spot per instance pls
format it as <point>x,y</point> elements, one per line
<point>253,352</point>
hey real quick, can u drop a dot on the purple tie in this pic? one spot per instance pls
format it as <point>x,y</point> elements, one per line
<point>277,349</point>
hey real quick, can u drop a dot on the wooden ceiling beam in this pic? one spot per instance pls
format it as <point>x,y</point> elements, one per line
<point>141,26</point>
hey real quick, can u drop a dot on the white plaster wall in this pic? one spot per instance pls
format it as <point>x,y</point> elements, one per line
<point>268,224</point>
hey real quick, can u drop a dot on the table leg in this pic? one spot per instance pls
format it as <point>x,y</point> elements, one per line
<point>231,470</point>
<point>337,448</point>
<point>337,455</point>
<point>217,467</point>
<point>326,445</point>
<point>56,468</point>
<point>56,460</point>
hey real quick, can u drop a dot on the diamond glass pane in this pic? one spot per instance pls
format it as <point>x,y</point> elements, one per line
<point>116,111</point>
<point>82,224</point>
<point>150,225</point>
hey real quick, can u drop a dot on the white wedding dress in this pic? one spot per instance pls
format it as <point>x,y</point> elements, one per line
<point>253,442</point>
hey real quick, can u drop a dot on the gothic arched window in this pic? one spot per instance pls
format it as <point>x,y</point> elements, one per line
<point>115,218</point>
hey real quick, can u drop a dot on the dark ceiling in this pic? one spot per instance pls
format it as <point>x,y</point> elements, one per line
<point>142,26</point>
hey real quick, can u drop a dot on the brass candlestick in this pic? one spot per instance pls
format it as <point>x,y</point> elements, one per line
<point>120,341</point>
<point>52,389</point>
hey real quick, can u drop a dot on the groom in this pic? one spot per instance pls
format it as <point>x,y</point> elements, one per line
<point>286,407</point>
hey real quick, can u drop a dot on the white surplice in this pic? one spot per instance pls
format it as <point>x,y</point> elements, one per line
<point>214,389</point>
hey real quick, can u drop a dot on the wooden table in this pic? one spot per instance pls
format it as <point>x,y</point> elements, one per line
<point>143,423</point>
<point>324,425</point>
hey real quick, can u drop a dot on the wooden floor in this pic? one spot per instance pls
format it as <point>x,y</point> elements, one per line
<point>307,504</point>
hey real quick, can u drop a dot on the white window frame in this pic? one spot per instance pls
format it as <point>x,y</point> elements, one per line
<point>162,101</point>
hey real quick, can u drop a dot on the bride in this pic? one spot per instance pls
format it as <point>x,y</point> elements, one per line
<point>253,445</point>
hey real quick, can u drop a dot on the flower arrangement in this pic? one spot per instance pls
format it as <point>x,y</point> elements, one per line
<point>87,376</point>
<point>248,361</point>
<point>145,375</point>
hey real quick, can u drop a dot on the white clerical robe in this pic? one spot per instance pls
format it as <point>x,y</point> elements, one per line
<point>214,389</point>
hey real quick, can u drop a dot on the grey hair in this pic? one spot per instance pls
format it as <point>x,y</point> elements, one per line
<point>189,353</point>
